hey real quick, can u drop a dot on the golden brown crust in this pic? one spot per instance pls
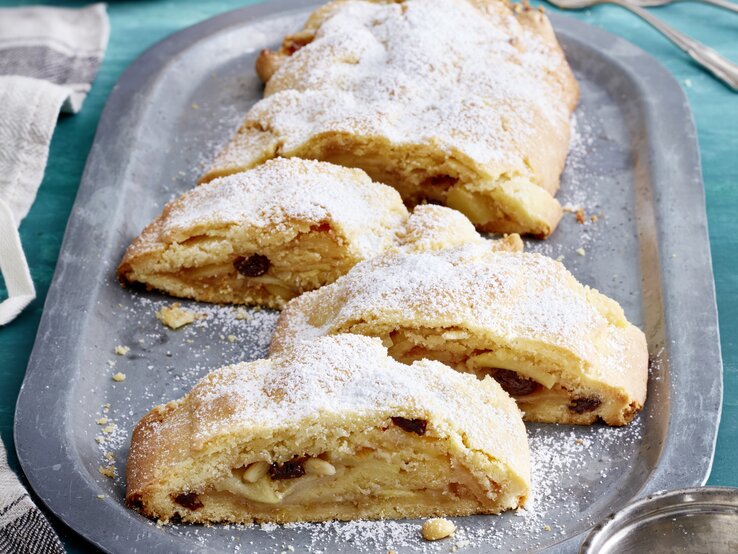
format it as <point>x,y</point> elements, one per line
<point>289,225</point>
<point>566,352</point>
<point>341,400</point>
<point>497,152</point>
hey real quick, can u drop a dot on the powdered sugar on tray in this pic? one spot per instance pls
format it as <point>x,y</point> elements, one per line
<point>583,213</point>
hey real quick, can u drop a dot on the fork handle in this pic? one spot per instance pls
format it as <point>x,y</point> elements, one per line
<point>725,4</point>
<point>723,69</point>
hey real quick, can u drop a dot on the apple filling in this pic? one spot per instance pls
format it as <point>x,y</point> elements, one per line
<point>216,269</point>
<point>538,392</point>
<point>399,465</point>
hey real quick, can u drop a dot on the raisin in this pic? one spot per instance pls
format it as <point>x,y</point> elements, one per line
<point>188,500</point>
<point>287,470</point>
<point>442,182</point>
<point>582,405</point>
<point>416,426</point>
<point>253,266</point>
<point>136,502</point>
<point>512,383</point>
<point>322,228</point>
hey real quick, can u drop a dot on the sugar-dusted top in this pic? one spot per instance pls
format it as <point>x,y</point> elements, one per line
<point>508,298</point>
<point>282,191</point>
<point>343,378</point>
<point>471,77</point>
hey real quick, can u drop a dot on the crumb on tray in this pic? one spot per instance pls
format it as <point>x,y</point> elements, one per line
<point>175,316</point>
<point>122,350</point>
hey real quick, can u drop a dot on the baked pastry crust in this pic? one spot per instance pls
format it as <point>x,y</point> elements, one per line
<point>564,351</point>
<point>461,102</point>
<point>332,429</point>
<point>289,225</point>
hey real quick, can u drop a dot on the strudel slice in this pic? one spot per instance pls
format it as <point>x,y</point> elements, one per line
<point>564,351</point>
<point>460,102</point>
<point>332,429</point>
<point>266,235</point>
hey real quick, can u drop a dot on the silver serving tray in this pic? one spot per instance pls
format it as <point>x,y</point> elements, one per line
<point>635,164</point>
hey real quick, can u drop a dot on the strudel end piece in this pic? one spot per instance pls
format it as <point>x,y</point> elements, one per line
<point>266,235</point>
<point>461,102</point>
<point>333,429</point>
<point>564,351</point>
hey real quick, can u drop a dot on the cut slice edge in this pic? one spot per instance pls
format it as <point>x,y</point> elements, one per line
<point>381,468</point>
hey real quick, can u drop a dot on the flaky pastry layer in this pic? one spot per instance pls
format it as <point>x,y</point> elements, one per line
<point>334,429</point>
<point>463,102</point>
<point>266,235</point>
<point>564,351</point>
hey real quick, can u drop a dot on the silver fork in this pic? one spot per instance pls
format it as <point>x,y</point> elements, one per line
<point>723,69</point>
<point>724,4</point>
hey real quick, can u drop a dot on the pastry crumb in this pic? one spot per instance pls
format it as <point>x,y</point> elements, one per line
<point>560,258</point>
<point>593,218</point>
<point>102,421</point>
<point>99,439</point>
<point>118,377</point>
<point>122,350</point>
<point>546,527</point>
<point>108,471</point>
<point>437,528</point>
<point>231,338</point>
<point>175,316</point>
<point>580,216</point>
<point>101,496</point>
<point>109,429</point>
<point>111,363</point>
<point>109,456</point>
<point>241,314</point>
<point>581,251</point>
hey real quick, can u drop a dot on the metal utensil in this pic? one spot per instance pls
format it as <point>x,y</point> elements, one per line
<point>703,519</point>
<point>723,69</point>
<point>724,4</point>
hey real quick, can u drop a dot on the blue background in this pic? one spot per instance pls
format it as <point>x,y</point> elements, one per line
<point>137,25</point>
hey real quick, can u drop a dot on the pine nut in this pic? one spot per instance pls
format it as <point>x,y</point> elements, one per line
<point>255,471</point>
<point>438,528</point>
<point>316,466</point>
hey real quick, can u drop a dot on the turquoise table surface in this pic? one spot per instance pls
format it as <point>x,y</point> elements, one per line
<point>136,25</point>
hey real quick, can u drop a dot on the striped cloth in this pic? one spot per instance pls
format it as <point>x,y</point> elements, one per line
<point>48,60</point>
<point>23,528</point>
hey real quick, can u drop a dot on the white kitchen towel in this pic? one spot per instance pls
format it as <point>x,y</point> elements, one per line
<point>48,60</point>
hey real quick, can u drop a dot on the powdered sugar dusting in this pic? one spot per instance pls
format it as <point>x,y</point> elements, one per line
<point>281,190</point>
<point>468,78</point>
<point>468,287</point>
<point>353,376</point>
